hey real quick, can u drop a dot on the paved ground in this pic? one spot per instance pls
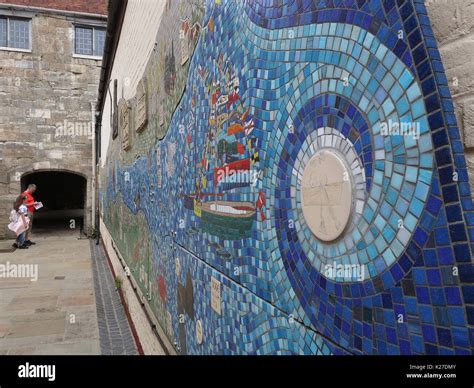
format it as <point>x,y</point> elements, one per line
<point>6,246</point>
<point>58,314</point>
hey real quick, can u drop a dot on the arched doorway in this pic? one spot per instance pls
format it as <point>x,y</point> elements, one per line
<point>63,195</point>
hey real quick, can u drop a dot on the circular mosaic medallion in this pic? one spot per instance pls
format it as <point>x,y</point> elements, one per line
<point>326,140</point>
<point>326,193</point>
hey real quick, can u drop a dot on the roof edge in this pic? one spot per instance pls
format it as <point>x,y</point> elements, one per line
<point>19,7</point>
<point>117,9</point>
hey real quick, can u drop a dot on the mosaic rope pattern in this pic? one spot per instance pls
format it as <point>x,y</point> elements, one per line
<point>270,83</point>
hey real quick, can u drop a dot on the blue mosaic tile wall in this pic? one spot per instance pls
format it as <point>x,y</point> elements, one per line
<point>230,264</point>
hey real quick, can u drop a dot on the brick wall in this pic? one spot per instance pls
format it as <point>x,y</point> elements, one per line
<point>453,25</point>
<point>88,6</point>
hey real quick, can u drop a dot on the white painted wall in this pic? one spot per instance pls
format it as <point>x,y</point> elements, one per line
<point>137,40</point>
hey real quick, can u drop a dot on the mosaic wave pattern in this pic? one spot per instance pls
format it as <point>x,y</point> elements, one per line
<point>271,84</point>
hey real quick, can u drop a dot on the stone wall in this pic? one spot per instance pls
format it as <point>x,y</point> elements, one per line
<point>87,6</point>
<point>46,117</point>
<point>453,26</point>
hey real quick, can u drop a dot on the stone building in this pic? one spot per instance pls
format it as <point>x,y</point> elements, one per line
<point>50,62</point>
<point>453,25</point>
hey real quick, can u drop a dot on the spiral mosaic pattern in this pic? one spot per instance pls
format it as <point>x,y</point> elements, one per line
<point>399,172</point>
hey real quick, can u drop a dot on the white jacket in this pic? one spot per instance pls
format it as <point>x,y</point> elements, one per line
<point>14,216</point>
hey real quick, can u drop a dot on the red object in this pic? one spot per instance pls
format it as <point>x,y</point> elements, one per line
<point>249,126</point>
<point>162,288</point>
<point>240,149</point>
<point>230,169</point>
<point>232,99</point>
<point>185,26</point>
<point>31,209</point>
<point>215,97</point>
<point>261,203</point>
<point>235,129</point>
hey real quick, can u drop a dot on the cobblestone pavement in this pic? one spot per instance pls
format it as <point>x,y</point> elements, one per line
<point>115,333</point>
<point>72,308</point>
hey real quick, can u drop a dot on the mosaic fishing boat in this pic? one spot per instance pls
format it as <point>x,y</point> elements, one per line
<point>228,220</point>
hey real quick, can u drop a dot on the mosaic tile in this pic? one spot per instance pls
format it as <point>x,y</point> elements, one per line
<point>211,217</point>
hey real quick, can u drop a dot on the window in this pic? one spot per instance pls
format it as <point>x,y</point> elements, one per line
<point>15,33</point>
<point>3,32</point>
<point>89,41</point>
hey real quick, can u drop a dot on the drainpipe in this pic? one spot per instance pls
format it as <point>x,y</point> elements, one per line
<point>94,164</point>
<point>98,126</point>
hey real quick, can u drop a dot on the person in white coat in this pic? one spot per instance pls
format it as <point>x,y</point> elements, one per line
<point>19,221</point>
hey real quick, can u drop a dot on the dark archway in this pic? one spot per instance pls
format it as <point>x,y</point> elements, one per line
<point>63,195</point>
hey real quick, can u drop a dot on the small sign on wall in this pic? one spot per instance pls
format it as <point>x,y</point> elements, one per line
<point>184,38</point>
<point>141,116</point>
<point>124,124</point>
<point>161,114</point>
<point>216,299</point>
<point>115,113</point>
<point>169,323</point>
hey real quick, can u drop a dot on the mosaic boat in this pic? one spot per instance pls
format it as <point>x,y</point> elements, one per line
<point>228,220</point>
